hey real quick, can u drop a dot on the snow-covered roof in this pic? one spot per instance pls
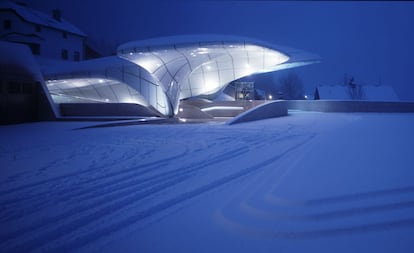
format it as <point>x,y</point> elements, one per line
<point>15,58</point>
<point>335,92</point>
<point>202,40</point>
<point>369,92</point>
<point>40,18</point>
<point>380,93</point>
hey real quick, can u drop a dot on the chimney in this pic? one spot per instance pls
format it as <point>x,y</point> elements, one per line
<point>57,14</point>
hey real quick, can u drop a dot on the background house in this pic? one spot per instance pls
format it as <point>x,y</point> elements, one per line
<point>359,92</point>
<point>47,35</point>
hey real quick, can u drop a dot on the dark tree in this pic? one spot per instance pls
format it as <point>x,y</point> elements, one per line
<point>291,86</point>
<point>355,90</point>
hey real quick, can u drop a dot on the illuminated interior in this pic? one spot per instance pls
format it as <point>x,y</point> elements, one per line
<point>94,90</point>
<point>106,80</point>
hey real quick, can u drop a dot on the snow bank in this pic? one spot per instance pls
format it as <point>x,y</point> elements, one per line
<point>17,58</point>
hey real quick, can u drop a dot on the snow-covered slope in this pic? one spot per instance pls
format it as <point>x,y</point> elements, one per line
<point>309,182</point>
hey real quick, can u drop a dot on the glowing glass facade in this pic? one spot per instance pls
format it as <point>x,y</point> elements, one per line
<point>161,72</point>
<point>106,80</point>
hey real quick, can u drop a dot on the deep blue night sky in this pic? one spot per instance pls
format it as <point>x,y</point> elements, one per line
<point>372,41</point>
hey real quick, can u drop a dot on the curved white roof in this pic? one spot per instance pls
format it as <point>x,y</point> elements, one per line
<point>211,39</point>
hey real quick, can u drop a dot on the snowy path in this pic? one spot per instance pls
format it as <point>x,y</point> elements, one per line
<point>305,180</point>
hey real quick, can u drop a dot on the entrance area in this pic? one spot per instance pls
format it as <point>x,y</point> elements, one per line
<point>244,90</point>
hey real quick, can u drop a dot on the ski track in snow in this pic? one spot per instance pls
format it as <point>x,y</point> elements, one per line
<point>258,211</point>
<point>51,214</point>
<point>83,188</point>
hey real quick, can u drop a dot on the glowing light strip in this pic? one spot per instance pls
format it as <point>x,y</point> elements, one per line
<point>207,109</point>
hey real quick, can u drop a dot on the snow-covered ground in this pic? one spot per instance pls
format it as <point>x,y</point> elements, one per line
<point>309,182</point>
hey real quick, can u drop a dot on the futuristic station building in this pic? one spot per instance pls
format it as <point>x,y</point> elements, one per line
<point>157,74</point>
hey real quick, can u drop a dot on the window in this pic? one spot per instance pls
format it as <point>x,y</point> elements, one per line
<point>64,54</point>
<point>27,88</point>
<point>65,35</point>
<point>7,24</point>
<point>35,48</point>
<point>38,28</point>
<point>76,56</point>
<point>14,87</point>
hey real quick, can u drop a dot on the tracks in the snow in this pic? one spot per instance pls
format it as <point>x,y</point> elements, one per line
<point>51,215</point>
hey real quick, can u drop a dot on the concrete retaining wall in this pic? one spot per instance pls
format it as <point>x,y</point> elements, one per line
<point>215,109</point>
<point>349,106</point>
